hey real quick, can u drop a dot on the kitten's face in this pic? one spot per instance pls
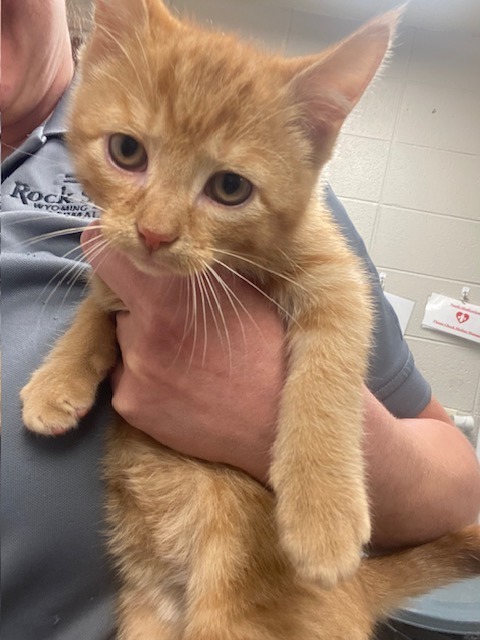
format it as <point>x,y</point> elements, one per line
<point>193,144</point>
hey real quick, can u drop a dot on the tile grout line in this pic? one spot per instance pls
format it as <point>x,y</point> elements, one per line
<point>376,221</point>
<point>460,283</point>
<point>413,144</point>
<point>390,205</point>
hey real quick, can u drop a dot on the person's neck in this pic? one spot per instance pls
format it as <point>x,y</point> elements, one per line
<point>14,134</point>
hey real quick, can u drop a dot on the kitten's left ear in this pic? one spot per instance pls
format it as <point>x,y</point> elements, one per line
<point>116,14</point>
<point>113,19</point>
<point>327,87</point>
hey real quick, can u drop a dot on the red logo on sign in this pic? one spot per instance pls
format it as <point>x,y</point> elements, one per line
<point>462,317</point>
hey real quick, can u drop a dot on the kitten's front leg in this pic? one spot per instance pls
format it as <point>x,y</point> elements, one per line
<point>63,389</point>
<point>317,470</point>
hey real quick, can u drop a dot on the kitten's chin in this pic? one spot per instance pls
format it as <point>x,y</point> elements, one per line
<point>154,266</point>
<point>150,268</point>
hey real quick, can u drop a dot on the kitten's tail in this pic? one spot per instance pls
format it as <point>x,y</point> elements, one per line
<point>388,580</point>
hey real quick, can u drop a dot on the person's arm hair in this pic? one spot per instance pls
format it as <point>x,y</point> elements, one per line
<point>423,474</point>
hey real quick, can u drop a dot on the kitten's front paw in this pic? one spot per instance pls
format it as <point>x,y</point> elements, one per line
<point>53,404</point>
<point>325,544</point>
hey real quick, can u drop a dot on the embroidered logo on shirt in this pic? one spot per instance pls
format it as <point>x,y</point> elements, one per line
<point>69,199</point>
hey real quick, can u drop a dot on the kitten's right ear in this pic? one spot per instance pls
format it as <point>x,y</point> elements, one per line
<point>325,88</point>
<point>112,17</point>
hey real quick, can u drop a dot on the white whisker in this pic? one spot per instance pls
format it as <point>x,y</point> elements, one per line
<point>206,274</point>
<point>70,268</point>
<point>50,235</point>
<point>203,293</point>
<point>188,322</point>
<point>180,296</point>
<point>257,264</point>
<point>187,325</point>
<point>272,300</point>
<point>230,295</point>
<point>24,220</point>
<point>195,322</point>
<point>294,264</point>
<point>78,269</point>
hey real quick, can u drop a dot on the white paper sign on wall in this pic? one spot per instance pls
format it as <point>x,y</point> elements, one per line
<point>452,316</point>
<point>403,307</point>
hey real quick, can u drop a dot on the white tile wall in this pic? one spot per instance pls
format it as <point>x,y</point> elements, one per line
<point>254,21</point>
<point>433,180</point>
<point>452,369</point>
<point>426,243</point>
<point>376,113</point>
<point>407,169</point>
<point>440,118</point>
<point>366,159</point>
<point>445,59</point>
<point>311,33</point>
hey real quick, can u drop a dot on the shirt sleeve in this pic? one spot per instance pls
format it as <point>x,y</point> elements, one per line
<point>393,377</point>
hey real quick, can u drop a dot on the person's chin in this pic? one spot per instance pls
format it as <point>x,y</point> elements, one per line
<point>14,96</point>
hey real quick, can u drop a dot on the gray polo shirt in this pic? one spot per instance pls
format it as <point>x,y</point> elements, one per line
<point>56,581</point>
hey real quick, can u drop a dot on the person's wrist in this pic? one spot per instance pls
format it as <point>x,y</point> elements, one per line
<point>256,464</point>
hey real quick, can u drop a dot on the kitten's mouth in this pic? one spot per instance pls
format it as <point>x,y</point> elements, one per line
<point>164,261</point>
<point>170,258</point>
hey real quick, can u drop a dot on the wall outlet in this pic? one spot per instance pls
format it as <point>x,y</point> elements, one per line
<point>467,424</point>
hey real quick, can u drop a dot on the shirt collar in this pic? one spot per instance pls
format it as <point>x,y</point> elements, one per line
<point>56,124</point>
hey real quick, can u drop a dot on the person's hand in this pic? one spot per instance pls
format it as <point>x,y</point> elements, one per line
<point>202,369</point>
<point>423,475</point>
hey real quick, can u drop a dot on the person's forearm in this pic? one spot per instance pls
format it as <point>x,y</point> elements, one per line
<point>423,475</point>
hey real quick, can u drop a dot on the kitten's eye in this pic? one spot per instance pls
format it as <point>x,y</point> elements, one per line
<point>127,153</point>
<point>228,188</point>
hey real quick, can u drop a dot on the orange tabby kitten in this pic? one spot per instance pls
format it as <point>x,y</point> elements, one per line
<point>209,151</point>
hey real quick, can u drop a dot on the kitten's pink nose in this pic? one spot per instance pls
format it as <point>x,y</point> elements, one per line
<point>153,240</point>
